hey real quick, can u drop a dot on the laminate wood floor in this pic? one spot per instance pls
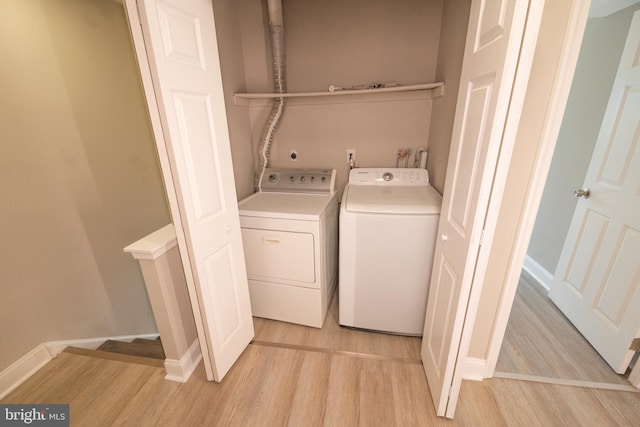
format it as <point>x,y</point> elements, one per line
<point>297,376</point>
<point>272,386</point>
<point>333,336</point>
<point>541,341</point>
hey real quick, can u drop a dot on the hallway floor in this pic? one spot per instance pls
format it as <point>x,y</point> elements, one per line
<point>541,341</point>
<point>298,376</point>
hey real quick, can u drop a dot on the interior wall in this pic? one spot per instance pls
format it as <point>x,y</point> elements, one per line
<point>80,177</point>
<point>228,19</point>
<point>455,20</point>
<point>345,44</point>
<point>543,72</point>
<point>600,54</point>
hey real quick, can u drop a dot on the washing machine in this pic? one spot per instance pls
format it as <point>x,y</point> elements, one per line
<point>388,226</point>
<point>290,238</point>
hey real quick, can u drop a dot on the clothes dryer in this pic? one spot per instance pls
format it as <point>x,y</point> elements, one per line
<point>290,239</point>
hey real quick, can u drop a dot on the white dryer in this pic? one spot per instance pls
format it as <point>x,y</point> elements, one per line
<point>290,238</point>
<point>388,225</point>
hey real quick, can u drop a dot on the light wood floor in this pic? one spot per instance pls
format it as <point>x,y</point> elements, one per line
<point>276,387</point>
<point>331,377</point>
<point>541,341</point>
<point>333,336</point>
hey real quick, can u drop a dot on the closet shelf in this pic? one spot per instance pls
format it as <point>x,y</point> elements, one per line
<point>431,89</point>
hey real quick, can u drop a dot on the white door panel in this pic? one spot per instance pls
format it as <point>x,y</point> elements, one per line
<point>492,49</point>
<point>181,44</point>
<point>597,282</point>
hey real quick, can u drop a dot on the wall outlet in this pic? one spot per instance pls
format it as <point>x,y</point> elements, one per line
<point>351,156</point>
<point>293,155</point>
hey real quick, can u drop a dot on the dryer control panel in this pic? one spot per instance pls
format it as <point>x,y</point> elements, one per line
<point>322,181</point>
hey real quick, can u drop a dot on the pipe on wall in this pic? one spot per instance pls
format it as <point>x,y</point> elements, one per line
<point>276,31</point>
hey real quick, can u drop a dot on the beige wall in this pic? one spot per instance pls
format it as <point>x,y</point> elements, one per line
<point>597,65</point>
<point>230,44</point>
<point>80,179</point>
<point>345,44</point>
<point>543,73</point>
<point>455,19</point>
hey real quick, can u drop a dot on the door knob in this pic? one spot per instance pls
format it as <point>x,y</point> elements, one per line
<point>444,237</point>
<point>227,228</point>
<point>582,193</point>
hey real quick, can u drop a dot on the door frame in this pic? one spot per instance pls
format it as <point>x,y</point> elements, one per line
<point>560,90</point>
<point>609,337</point>
<point>553,119</point>
<point>551,128</point>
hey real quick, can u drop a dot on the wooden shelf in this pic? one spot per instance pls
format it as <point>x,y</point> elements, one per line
<point>428,90</point>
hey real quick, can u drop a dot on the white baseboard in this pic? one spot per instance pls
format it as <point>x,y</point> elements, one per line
<point>181,370</point>
<point>23,368</point>
<point>634,377</point>
<point>567,382</point>
<point>27,365</point>
<point>474,369</point>
<point>538,272</point>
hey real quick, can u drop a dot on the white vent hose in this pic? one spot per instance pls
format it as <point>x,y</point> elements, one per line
<point>276,31</point>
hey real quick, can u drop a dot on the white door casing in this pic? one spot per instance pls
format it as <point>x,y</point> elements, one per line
<point>513,55</point>
<point>493,45</point>
<point>570,44</point>
<point>597,282</point>
<point>183,56</point>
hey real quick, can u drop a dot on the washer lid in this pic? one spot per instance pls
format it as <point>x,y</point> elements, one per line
<point>422,199</point>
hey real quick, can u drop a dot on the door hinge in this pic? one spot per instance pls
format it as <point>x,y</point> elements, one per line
<point>481,237</point>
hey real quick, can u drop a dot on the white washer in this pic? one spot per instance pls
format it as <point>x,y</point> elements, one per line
<point>290,238</point>
<point>388,225</point>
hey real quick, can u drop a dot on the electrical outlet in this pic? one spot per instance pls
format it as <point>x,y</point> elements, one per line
<point>351,155</point>
<point>293,155</point>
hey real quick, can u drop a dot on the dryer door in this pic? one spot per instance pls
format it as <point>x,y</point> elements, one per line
<point>279,256</point>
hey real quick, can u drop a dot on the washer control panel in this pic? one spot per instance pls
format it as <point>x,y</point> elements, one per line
<point>388,176</point>
<point>299,180</point>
